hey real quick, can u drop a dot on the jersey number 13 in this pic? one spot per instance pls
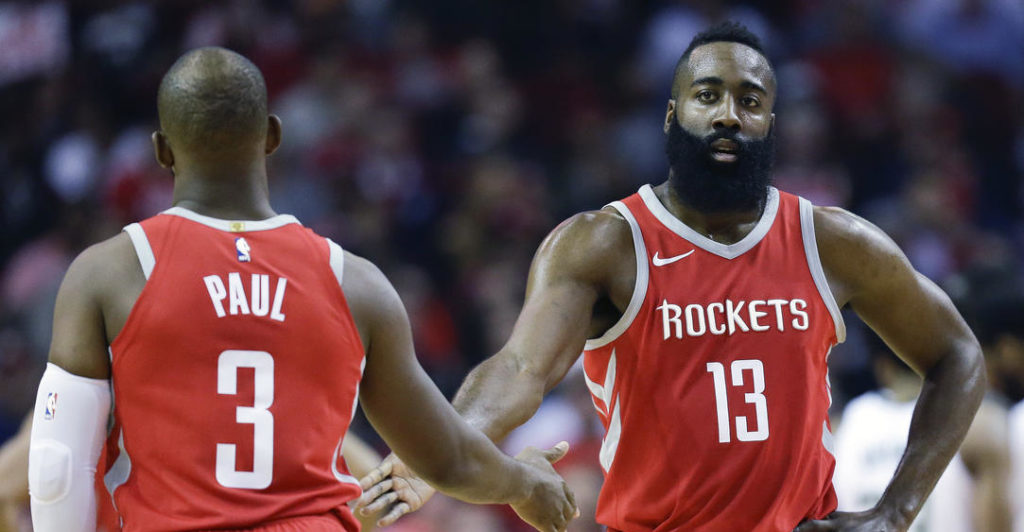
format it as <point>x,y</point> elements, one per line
<point>755,397</point>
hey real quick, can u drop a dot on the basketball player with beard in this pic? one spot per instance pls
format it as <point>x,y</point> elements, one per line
<point>705,308</point>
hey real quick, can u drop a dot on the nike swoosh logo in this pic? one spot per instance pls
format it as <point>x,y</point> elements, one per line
<point>658,261</point>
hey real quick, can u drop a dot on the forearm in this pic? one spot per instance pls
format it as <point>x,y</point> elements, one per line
<point>484,475</point>
<point>498,396</point>
<point>69,423</point>
<point>438,444</point>
<point>495,398</point>
<point>952,392</point>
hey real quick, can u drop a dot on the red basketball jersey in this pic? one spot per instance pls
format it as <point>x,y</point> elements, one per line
<point>713,387</point>
<point>235,379</point>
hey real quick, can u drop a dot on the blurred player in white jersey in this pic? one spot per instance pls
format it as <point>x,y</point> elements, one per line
<point>1000,326</point>
<point>972,494</point>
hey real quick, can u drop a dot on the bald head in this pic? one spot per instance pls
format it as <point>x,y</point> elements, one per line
<point>213,102</point>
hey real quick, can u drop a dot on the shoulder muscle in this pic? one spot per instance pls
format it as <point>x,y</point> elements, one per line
<point>856,254</point>
<point>373,301</point>
<point>593,247</point>
<point>80,337</point>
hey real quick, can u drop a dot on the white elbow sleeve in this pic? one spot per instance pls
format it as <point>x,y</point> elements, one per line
<point>68,426</point>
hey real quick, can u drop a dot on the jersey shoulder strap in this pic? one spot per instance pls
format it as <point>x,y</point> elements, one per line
<point>142,248</point>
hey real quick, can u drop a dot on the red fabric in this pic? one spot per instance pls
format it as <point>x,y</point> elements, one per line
<point>106,516</point>
<point>670,470</point>
<point>168,365</point>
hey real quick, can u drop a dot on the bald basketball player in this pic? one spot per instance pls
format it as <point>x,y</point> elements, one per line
<point>705,308</point>
<point>233,343</point>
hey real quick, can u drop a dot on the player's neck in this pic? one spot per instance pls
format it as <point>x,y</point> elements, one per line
<point>227,199</point>
<point>726,227</point>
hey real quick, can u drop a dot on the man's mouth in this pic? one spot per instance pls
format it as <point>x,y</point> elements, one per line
<point>725,150</point>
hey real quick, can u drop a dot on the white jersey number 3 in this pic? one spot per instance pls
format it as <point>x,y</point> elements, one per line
<point>257,415</point>
<point>756,398</point>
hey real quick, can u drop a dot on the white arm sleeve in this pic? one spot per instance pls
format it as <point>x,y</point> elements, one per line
<point>68,427</point>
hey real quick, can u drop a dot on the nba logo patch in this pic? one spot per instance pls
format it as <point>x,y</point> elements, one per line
<point>243,249</point>
<point>51,406</point>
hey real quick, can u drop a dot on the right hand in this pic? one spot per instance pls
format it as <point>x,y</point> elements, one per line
<point>550,505</point>
<point>392,486</point>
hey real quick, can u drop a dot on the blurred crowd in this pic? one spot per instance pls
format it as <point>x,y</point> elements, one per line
<point>444,139</point>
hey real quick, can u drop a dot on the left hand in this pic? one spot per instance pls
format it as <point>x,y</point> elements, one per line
<point>866,521</point>
<point>393,487</point>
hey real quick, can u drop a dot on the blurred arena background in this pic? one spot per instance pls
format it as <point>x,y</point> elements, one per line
<point>444,139</point>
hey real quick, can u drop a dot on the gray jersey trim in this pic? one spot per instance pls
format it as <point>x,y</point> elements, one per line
<point>726,251</point>
<point>639,288</point>
<point>817,272</point>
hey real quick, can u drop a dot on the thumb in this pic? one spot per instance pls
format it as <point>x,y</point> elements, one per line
<point>557,452</point>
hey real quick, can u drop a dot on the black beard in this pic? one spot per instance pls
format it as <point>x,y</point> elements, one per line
<point>711,186</point>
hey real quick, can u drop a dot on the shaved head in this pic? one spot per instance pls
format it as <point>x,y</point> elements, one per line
<point>213,101</point>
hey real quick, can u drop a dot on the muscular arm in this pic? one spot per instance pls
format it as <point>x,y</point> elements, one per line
<point>986,453</point>
<point>917,320</point>
<point>574,266</point>
<point>416,421</point>
<point>588,257</point>
<point>73,402</point>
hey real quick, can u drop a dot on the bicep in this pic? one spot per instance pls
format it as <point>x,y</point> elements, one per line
<point>399,399</point>
<point>575,265</point>
<point>914,317</point>
<point>79,343</point>
<point>553,325</point>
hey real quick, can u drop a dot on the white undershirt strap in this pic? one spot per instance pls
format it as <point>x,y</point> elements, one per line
<point>337,260</point>
<point>142,248</point>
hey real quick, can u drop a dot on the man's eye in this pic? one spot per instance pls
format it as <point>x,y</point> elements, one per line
<point>750,101</point>
<point>705,96</point>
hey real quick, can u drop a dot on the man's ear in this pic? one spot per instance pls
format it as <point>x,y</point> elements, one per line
<point>162,150</point>
<point>273,134</point>
<point>670,115</point>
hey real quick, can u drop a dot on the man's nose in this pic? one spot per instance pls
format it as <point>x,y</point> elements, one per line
<point>726,118</point>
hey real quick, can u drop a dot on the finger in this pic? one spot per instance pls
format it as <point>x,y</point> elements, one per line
<point>557,452</point>
<point>379,473</point>
<point>381,503</point>
<point>573,509</point>
<point>399,510</point>
<point>374,492</point>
